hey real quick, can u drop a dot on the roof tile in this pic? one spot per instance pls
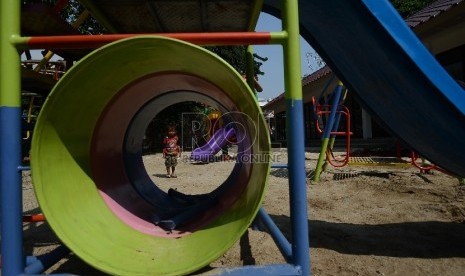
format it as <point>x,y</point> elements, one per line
<point>430,11</point>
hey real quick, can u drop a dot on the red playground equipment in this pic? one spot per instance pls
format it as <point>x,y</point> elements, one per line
<point>325,111</point>
<point>333,114</point>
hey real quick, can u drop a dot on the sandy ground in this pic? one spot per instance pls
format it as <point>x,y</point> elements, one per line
<point>363,220</point>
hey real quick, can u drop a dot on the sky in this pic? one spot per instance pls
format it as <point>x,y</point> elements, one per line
<point>273,80</point>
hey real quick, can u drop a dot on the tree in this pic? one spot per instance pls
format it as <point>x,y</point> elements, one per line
<point>235,56</point>
<point>173,115</point>
<point>71,12</point>
<point>314,61</point>
<point>408,7</point>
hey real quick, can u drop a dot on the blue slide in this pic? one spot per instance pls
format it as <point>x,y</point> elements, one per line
<point>371,49</point>
<point>219,139</point>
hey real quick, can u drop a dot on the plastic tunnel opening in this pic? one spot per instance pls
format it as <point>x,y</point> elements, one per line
<point>165,210</point>
<point>88,170</point>
<point>194,126</point>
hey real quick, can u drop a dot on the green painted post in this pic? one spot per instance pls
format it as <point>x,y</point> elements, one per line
<point>295,137</point>
<point>321,164</point>
<point>10,65</point>
<point>10,141</point>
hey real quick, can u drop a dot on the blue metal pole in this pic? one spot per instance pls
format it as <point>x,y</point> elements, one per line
<point>298,189</point>
<point>295,139</point>
<point>334,107</point>
<point>44,262</point>
<point>24,168</point>
<point>10,141</point>
<point>11,192</point>
<point>279,166</point>
<point>259,270</point>
<point>327,131</point>
<point>30,260</point>
<point>281,241</point>
<point>338,116</point>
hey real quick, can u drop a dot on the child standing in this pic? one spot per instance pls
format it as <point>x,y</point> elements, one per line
<point>171,151</point>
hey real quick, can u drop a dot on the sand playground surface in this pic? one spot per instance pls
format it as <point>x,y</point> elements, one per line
<point>363,220</point>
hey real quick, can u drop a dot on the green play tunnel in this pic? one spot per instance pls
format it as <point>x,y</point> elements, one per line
<point>87,166</point>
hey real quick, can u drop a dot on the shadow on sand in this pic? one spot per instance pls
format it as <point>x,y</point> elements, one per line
<point>426,239</point>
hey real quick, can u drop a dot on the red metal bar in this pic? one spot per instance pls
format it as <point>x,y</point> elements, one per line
<point>95,41</point>
<point>427,168</point>
<point>324,112</point>
<point>340,133</point>
<point>34,218</point>
<point>345,111</point>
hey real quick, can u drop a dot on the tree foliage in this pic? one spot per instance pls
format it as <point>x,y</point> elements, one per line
<point>408,7</point>
<point>235,56</point>
<point>173,116</point>
<point>90,26</point>
<point>71,12</point>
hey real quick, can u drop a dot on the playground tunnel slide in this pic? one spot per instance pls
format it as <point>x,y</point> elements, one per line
<point>92,156</point>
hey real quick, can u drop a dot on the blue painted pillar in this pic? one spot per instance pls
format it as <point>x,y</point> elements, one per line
<point>295,137</point>
<point>10,141</point>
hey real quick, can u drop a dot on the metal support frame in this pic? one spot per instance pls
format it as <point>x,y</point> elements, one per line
<point>13,261</point>
<point>10,141</point>
<point>331,125</point>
